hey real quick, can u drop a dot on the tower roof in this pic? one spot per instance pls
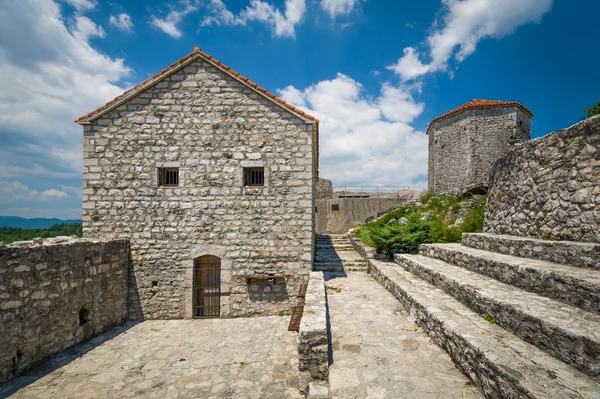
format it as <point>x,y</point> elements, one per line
<point>478,104</point>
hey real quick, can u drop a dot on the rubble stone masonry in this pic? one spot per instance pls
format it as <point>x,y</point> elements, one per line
<point>210,126</point>
<point>55,293</point>
<point>549,187</point>
<point>464,147</point>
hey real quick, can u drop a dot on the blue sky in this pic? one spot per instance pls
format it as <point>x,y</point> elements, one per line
<point>374,72</point>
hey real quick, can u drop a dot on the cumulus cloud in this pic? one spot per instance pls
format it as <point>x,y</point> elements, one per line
<point>338,7</point>
<point>220,15</point>
<point>16,191</point>
<point>82,5</point>
<point>364,140</point>
<point>170,23</point>
<point>122,22</point>
<point>47,67</point>
<point>282,23</point>
<point>463,25</point>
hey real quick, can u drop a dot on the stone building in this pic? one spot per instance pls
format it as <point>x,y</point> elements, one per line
<point>464,143</point>
<point>212,178</point>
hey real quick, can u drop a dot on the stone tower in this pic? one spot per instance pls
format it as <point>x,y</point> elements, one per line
<point>464,143</point>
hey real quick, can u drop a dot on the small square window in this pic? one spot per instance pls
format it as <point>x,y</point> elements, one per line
<point>254,176</point>
<point>168,177</point>
<point>335,207</point>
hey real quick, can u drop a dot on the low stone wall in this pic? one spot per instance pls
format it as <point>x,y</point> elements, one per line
<point>549,187</point>
<point>342,214</point>
<point>55,293</point>
<point>313,343</point>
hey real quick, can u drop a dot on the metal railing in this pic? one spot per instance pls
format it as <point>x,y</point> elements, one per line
<point>370,191</point>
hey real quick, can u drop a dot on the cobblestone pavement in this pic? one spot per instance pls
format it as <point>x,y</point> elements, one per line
<point>379,352</point>
<point>211,358</point>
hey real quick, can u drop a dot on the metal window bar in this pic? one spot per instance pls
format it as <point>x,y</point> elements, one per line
<point>168,177</point>
<point>207,287</point>
<point>254,176</point>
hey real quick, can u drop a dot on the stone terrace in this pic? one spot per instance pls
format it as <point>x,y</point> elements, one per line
<point>210,358</point>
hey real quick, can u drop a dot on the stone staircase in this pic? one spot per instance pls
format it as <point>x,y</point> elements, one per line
<point>519,316</point>
<point>336,255</point>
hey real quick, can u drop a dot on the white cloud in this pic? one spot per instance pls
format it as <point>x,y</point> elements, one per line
<point>282,23</point>
<point>362,140</point>
<point>338,7</point>
<point>11,192</point>
<point>221,15</point>
<point>82,5</point>
<point>409,66</point>
<point>84,28</point>
<point>464,24</point>
<point>47,68</point>
<point>122,22</point>
<point>174,17</point>
<point>53,194</point>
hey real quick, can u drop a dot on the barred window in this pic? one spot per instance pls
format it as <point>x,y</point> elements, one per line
<point>254,176</point>
<point>168,177</point>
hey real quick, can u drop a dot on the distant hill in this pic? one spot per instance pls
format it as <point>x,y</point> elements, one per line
<point>35,223</point>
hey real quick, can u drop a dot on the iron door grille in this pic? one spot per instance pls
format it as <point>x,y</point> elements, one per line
<point>207,286</point>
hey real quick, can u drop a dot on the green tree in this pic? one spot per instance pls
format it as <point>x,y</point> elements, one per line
<point>595,110</point>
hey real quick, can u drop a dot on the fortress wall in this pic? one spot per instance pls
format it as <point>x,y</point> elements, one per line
<point>350,212</point>
<point>549,187</point>
<point>55,293</point>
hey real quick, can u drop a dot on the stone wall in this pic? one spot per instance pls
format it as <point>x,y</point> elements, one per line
<point>463,147</point>
<point>324,189</point>
<point>549,187</point>
<point>313,344</point>
<point>210,126</point>
<point>55,294</point>
<point>342,214</point>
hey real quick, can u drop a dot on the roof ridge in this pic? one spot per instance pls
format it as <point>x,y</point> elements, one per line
<point>480,103</point>
<point>177,64</point>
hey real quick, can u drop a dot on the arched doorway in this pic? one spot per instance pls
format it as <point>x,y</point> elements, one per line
<point>207,286</point>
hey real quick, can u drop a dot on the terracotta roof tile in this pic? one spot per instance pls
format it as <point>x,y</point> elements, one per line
<point>211,59</point>
<point>475,104</point>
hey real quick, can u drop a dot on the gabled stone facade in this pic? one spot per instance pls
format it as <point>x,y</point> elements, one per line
<point>465,143</point>
<point>210,124</point>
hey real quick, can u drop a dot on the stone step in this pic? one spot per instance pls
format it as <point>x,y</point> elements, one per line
<point>573,285</point>
<point>499,363</point>
<point>581,254</point>
<point>341,264</point>
<point>334,269</point>
<point>569,333</point>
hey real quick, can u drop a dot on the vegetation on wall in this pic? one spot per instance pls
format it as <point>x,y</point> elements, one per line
<point>595,110</point>
<point>12,234</point>
<point>433,219</point>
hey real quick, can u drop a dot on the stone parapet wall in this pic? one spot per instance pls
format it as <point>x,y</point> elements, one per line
<point>549,187</point>
<point>342,214</point>
<point>55,293</point>
<point>313,343</point>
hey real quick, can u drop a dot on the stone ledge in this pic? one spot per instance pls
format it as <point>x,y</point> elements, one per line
<point>580,254</point>
<point>60,240</point>
<point>500,364</point>
<point>576,286</point>
<point>313,342</point>
<point>568,333</point>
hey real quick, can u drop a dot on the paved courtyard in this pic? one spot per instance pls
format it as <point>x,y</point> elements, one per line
<point>211,358</point>
<point>379,352</point>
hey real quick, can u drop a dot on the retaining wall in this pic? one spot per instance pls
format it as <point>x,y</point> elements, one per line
<point>342,214</point>
<point>57,293</point>
<point>549,187</point>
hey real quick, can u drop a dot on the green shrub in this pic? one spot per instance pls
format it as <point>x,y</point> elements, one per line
<point>403,229</point>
